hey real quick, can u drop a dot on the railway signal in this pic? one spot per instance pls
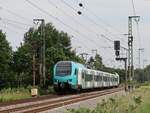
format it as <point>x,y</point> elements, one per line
<point>118,58</point>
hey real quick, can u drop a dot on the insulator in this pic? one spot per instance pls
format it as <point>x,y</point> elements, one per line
<point>80,4</point>
<point>79,12</point>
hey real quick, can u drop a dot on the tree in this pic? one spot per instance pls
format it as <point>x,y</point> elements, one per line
<point>58,47</point>
<point>5,61</point>
<point>147,73</point>
<point>98,64</point>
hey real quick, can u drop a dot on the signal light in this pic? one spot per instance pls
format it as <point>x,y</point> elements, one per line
<point>117,45</point>
<point>117,53</point>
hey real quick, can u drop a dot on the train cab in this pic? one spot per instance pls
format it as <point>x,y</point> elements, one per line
<point>66,75</point>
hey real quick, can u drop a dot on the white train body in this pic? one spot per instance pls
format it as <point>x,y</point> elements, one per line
<point>88,78</point>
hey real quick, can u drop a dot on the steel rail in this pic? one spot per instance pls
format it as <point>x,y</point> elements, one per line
<point>43,106</point>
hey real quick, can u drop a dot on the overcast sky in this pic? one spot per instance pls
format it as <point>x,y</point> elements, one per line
<point>108,18</point>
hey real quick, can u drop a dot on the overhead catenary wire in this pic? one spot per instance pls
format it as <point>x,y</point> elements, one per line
<point>82,25</point>
<point>89,19</point>
<point>107,24</point>
<point>138,32</point>
<point>14,21</point>
<point>60,21</point>
<point>15,14</point>
<point>133,6</point>
<point>73,19</point>
<point>10,29</point>
<point>13,25</point>
<point>47,13</point>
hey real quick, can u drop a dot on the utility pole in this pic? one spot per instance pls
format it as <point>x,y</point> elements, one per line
<point>84,54</point>
<point>94,50</point>
<point>130,47</point>
<point>34,68</point>
<point>125,67</point>
<point>43,49</point>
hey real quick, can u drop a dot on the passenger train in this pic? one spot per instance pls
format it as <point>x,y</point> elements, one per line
<point>72,75</point>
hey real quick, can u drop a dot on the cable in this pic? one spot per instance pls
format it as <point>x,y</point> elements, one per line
<point>13,25</point>
<point>99,18</point>
<point>73,19</point>
<point>69,5</point>
<point>45,12</point>
<point>15,14</point>
<point>133,6</point>
<point>11,29</point>
<point>86,17</point>
<point>85,27</point>
<point>17,22</point>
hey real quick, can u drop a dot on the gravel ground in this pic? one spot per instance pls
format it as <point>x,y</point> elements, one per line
<point>91,103</point>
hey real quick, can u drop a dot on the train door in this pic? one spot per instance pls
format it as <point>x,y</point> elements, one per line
<point>81,80</point>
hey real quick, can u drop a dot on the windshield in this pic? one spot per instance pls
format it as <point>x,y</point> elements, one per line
<point>63,68</point>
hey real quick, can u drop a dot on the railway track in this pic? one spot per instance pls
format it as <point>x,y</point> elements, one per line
<point>48,104</point>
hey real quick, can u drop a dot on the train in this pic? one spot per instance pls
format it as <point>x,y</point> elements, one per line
<point>76,76</point>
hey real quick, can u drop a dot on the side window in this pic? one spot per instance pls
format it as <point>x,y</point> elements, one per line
<point>76,71</point>
<point>83,73</point>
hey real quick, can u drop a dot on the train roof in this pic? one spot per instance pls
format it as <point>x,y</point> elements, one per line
<point>88,70</point>
<point>75,63</point>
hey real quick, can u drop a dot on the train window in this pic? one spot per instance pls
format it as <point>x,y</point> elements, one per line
<point>76,71</point>
<point>83,73</point>
<point>63,68</point>
<point>88,77</point>
<point>96,78</point>
<point>104,78</point>
<point>82,76</point>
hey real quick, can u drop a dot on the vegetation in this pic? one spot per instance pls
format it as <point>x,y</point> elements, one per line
<point>5,61</point>
<point>14,94</point>
<point>16,66</point>
<point>136,102</point>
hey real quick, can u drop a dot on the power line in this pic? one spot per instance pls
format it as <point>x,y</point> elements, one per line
<point>11,29</point>
<point>69,5</point>
<point>45,12</point>
<point>85,27</point>
<point>138,33</point>
<point>15,14</point>
<point>57,19</point>
<point>13,25</point>
<point>133,6</point>
<point>87,17</point>
<point>16,22</point>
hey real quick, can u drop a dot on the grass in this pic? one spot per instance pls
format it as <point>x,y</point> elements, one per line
<point>21,93</point>
<point>145,106</point>
<point>14,94</point>
<point>135,102</point>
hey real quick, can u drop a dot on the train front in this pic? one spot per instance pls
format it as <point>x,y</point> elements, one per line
<point>64,76</point>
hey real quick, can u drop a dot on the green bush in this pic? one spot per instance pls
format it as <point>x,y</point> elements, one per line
<point>112,105</point>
